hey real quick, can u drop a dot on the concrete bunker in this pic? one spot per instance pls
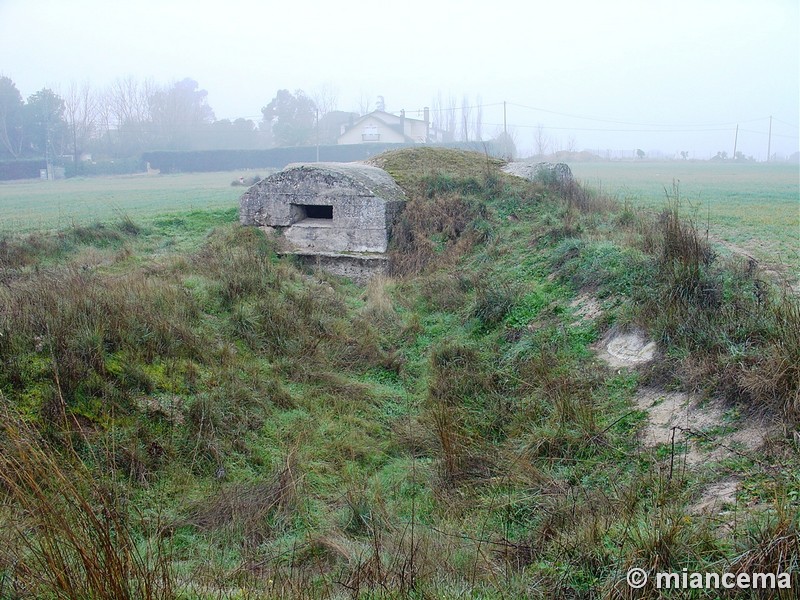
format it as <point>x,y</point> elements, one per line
<point>336,215</point>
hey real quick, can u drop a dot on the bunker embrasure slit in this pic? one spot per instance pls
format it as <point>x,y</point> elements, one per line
<point>314,211</point>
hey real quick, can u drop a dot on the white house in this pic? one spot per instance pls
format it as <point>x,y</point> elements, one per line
<point>379,126</point>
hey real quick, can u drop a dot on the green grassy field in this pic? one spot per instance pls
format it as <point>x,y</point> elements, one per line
<point>33,205</point>
<point>754,206</point>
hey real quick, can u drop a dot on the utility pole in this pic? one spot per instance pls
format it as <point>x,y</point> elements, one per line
<point>317,112</point>
<point>505,133</point>
<point>735,141</point>
<point>47,136</point>
<point>769,139</point>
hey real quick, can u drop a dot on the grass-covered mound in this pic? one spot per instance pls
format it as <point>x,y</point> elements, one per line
<point>187,415</point>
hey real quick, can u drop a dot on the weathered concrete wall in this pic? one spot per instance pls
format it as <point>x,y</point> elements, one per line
<point>359,268</point>
<point>541,172</point>
<point>325,238</point>
<point>365,201</point>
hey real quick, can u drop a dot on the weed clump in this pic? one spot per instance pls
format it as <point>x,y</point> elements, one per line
<point>433,232</point>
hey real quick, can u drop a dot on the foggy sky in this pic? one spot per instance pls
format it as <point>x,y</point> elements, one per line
<point>677,75</point>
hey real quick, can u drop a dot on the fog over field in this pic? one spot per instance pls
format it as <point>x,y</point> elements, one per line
<point>610,77</point>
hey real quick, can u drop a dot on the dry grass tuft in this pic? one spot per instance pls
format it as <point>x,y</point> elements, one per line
<point>251,509</point>
<point>66,534</point>
<point>433,232</point>
<point>774,380</point>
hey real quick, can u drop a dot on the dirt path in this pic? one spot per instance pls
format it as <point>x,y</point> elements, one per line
<point>780,273</point>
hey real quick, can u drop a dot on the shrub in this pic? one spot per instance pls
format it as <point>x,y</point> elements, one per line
<point>433,232</point>
<point>493,301</point>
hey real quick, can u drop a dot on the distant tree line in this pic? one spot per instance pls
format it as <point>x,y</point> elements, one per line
<point>122,120</point>
<point>133,116</point>
<point>117,124</point>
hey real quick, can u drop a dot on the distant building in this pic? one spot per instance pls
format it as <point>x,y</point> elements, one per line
<point>332,124</point>
<point>383,127</point>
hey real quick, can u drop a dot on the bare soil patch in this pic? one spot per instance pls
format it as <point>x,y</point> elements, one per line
<point>586,308</point>
<point>672,415</point>
<point>626,349</point>
<point>716,497</point>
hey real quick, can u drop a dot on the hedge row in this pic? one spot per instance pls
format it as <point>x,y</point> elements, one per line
<point>118,166</point>
<point>21,169</point>
<point>221,160</point>
<point>275,158</point>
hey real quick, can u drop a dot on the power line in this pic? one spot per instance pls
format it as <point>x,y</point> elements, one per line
<point>616,130</point>
<point>785,123</point>
<point>606,120</point>
<point>791,137</point>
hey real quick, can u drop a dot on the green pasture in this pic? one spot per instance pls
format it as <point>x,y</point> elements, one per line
<point>33,205</point>
<point>754,206</point>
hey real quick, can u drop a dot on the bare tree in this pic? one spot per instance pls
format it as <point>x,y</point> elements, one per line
<point>364,103</point>
<point>104,111</point>
<point>130,100</point>
<point>437,113</point>
<point>571,144</point>
<point>450,115</point>
<point>80,112</point>
<point>454,122</point>
<point>130,112</point>
<point>466,111</point>
<point>541,141</point>
<point>326,98</point>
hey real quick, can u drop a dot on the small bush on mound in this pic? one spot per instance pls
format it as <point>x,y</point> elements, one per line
<point>493,301</point>
<point>433,232</point>
<point>446,167</point>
